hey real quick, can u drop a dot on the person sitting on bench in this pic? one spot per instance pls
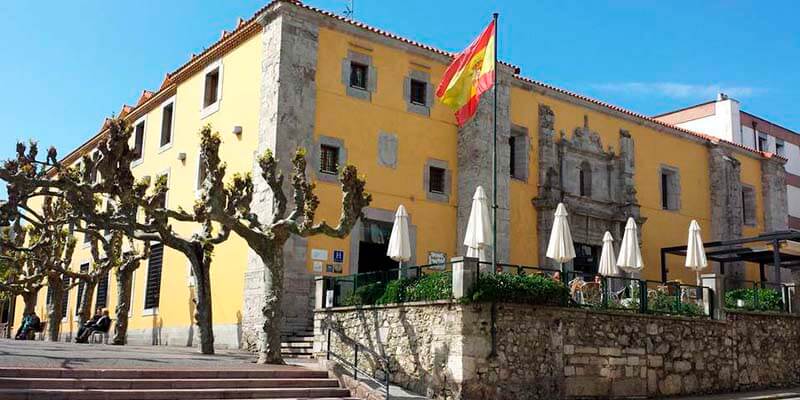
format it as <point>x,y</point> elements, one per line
<point>90,323</point>
<point>30,323</point>
<point>102,325</point>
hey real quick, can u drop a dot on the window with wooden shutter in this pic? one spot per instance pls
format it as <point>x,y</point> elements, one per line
<point>81,288</point>
<point>101,301</point>
<point>65,299</point>
<point>153,284</point>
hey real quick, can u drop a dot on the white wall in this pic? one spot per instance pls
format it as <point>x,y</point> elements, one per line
<point>793,154</point>
<point>793,199</point>
<point>708,125</point>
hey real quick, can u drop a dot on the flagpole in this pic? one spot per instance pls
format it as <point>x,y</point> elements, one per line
<point>494,154</point>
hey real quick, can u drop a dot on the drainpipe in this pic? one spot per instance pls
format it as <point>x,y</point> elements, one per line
<point>755,137</point>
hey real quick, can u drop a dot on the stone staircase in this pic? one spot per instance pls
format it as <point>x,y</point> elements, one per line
<point>298,344</point>
<point>163,384</point>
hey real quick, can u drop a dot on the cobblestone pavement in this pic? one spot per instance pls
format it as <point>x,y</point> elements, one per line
<point>37,354</point>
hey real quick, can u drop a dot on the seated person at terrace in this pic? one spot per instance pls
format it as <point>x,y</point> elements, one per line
<point>90,323</point>
<point>30,323</point>
<point>102,325</point>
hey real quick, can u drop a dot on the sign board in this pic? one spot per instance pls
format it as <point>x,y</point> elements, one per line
<point>329,268</point>
<point>337,267</point>
<point>338,256</point>
<point>319,254</point>
<point>438,258</point>
<point>317,266</point>
<point>329,299</point>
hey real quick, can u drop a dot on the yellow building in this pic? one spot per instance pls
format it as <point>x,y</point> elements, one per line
<point>293,75</point>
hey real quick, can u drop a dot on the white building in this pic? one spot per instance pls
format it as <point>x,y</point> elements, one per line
<point>723,118</point>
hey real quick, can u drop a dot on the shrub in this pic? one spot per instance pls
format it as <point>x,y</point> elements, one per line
<point>755,299</point>
<point>435,286</point>
<point>395,292</point>
<point>365,295</point>
<point>527,289</point>
<point>667,304</point>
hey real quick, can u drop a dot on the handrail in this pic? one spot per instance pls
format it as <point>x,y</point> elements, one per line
<point>383,360</point>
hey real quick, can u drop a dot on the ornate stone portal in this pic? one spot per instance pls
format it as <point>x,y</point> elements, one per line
<point>595,185</point>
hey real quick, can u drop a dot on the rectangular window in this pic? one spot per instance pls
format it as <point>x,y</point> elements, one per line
<point>65,299</point>
<point>138,144</point>
<point>153,283</point>
<point>670,183</point>
<point>329,159</point>
<point>211,93</point>
<point>201,171</point>
<point>162,202</point>
<point>358,75</point>
<point>419,91</point>
<point>512,144</point>
<point>748,205</point>
<point>436,180</point>
<point>780,148</point>
<point>664,190</point>
<point>762,142</point>
<point>166,124</point>
<point>81,287</point>
<point>101,301</point>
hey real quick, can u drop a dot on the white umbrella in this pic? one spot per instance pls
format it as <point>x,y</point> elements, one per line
<point>608,265</point>
<point>479,229</point>
<point>560,247</point>
<point>695,252</point>
<point>399,243</point>
<point>630,257</point>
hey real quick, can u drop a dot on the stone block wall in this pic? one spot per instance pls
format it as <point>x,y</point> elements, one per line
<point>444,350</point>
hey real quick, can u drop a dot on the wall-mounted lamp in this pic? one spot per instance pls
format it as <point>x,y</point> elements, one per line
<point>237,130</point>
<point>181,156</point>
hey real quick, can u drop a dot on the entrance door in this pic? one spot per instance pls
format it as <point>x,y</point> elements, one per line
<point>587,258</point>
<point>373,246</point>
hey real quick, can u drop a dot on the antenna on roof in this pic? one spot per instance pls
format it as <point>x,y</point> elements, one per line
<point>349,9</point>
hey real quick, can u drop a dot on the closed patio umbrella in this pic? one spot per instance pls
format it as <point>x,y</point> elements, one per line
<point>630,257</point>
<point>608,265</point>
<point>399,242</point>
<point>560,247</point>
<point>479,228</point>
<point>695,252</point>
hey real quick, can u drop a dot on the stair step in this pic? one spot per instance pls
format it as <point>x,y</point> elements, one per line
<point>298,339</point>
<point>298,344</point>
<point>170,394</point>
<point>74,383</point>
<point>160,374</point>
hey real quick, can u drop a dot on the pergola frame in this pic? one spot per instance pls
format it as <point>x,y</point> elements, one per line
<point>734,250</point>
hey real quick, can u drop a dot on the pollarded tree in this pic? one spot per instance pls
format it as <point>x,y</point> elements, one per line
<point>20,276</point>
<point>230,206</point>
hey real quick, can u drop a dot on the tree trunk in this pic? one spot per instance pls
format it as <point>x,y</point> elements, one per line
<point>29,298</point>
<point>55,310</point>
<point>85,303</point>
<point>123,305</point>
<point>270,343</point>
<point>201,266</point>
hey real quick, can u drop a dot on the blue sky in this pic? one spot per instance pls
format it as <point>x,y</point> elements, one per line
<point>67,65</point>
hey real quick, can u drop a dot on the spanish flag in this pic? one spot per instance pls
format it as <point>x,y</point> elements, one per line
<point>470,74</point>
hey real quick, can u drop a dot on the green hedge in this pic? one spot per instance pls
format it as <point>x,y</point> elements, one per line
<point>755,299</point>
<point>526,289</point>
<point>365,295</point>
<point>435,286</point>
<point>664,303</point>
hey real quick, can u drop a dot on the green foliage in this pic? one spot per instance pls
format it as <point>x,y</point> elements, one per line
<point>526,289</point>
<point>755,299</point>
<point>395,292</point>
<point>365,295</point>
<point>664,303</point>
<point>435,286</point>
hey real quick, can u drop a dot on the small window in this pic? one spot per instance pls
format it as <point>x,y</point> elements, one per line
<point>162,202</point>
<point>419,91</point>
<point>153,285</point>
<point>138,144</point>
<point>512,162</point>
<point>436,182</point>
<point>329,159</point>
<point>748,205</point>
<point>166,124</point>
<point>780,148</point>
<point>201,171</point>
<point>585,179</point>
<point>65,299</point>
<point>664,190</point>
<point>101,301</point>
<point>358,75</point>
<point>211,93</point>
<point>670,189</point>
<point>81,287</point>
<point>762,142</point>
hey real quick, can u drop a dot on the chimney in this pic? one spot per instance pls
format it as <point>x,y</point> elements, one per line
<point>722,96</point>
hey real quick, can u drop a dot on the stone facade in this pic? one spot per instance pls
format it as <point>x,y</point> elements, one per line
<point>608,176</point>
<point>775,205</point>
<point>726,202</point>
<point>288,101</point>
<point>444,350</point>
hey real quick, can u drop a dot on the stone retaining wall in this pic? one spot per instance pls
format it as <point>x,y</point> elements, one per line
<point>444,350</point>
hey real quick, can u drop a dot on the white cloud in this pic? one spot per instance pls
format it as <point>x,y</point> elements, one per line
<point>677,90</point>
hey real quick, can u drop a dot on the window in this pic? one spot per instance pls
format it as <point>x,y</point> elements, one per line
<point>138,141</point>
<point>436,182</point>
<point>101,301</point>
<point>166,124</point>
<point>153,284</point>
<point>329,159</point>
<point>358,75</point>
<point>585,179</point>
<point>512,164</point>
<point>81,288</point>
<point>762,142</point>
<point>201,171</point>
<point>518,146</point>
<point>211,92</point>
<point>419,91</point>
<point>65,299</point>
<point>162,202</point>
<point>748,205</point>
<point>670,183</point>
<point>780,148</point>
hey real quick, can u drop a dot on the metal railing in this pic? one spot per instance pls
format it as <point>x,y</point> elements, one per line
<point>353,366</point>
<point>758,296</point>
